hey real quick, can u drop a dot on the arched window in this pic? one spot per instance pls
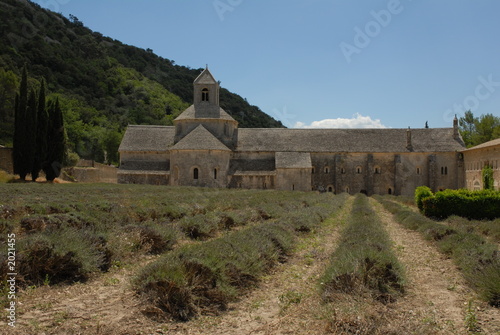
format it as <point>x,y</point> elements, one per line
<point>330,189</point>
<point>377,170</point>
<point>445,170</point>
<point>195,173</point>
<point>359,170</point>
<point>418,170</point>
<point>204,94</point>
<point>327,170</point>
<point>389,191</point>
<point>342,170</point>
<point>347,189</point>
<point>215,173</point>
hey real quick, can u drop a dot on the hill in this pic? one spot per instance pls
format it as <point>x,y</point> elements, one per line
<point>103,84</point>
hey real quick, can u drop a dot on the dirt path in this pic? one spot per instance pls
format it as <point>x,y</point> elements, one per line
<point>437,297</point>
<point>106,305</point>
<point>286,301</point>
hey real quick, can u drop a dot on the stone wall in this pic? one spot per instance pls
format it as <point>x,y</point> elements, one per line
<point>144,177</point>
<point>293,179</point>
<point>474,162</point>
<point>385,173</point>
<point>253,180</point>
<point>205,168</point>
<point>100,173</point>
<point>145,161</point>
<point>6,162</point>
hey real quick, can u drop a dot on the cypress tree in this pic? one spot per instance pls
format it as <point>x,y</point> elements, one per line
<point>31,132</point>
<point>20,129</point>
<point>55,142</point>
<point>41,134</point>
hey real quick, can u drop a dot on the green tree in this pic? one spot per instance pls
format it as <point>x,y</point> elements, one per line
<point>41,133</point>
<point>20,129</point>
<point>8,87</point>
<point>30,144</point>
<point>112,140</point>
<point>477,130</point>
<point>488,181</point>
<point>467,125</point>
<point>55,141</point>
<point>486,126</point>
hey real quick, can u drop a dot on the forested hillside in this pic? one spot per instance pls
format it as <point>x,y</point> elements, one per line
<point>103,85</point>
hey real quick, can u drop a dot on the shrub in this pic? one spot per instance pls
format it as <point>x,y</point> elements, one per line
<point>364,258</point>
<point>65,255</point>
<point>421,193</point>
<point>156,237</point>
<point>476,205</point>
<point>487,176</point>
<point>490,228</point>
<point>476,258</point>
<point>198,226</point>
<point>205,277</point>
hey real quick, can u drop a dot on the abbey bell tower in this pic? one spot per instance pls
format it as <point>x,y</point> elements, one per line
<point>205,111</point>
<point>206,89</point>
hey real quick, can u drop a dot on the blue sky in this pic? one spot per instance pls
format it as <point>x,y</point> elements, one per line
<point>324,63</point>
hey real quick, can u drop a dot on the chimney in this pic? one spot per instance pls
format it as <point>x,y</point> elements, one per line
<point>408,140</point>
<point>456,134</point>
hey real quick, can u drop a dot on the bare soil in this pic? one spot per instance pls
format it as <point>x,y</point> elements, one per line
<point>286,301</point>
<point>437,297</point>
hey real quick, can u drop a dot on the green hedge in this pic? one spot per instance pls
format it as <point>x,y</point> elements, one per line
<point>477,205</point>
<point>421,193</point>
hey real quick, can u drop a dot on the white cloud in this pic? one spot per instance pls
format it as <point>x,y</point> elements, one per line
<point>357,121</point>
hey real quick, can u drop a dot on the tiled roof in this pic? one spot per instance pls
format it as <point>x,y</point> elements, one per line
<point>161,138</point>
<point>293,160</point>
<point>254,173</point>
<point>205,77</point>
<point>204,110</point>
<point>147,138</point>
<point>150,172</point>
<point>485,145</point>
<point>200,139</point>
<point>346,140</point>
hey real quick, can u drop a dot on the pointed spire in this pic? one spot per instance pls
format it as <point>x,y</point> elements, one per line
<point>456,134</point>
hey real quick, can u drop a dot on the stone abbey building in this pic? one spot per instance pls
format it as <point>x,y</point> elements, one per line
<point>206,148</point>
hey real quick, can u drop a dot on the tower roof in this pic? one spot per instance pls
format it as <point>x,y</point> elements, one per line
<point>204,111</point>
<point>200,139</point>
<point>205,77</point>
